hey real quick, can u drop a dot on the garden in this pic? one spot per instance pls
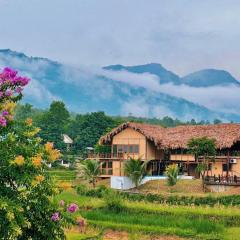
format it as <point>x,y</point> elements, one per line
<point>41,203</point>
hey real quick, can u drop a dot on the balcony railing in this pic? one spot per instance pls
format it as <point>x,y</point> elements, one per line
<point>105,155</point>
<point>182,157</point>
<point>222,180</point>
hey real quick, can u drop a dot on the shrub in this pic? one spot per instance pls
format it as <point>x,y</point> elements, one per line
<point>82,189</point>
<point>114,201</point>
<point>172,173</point>
<point>26,188</point>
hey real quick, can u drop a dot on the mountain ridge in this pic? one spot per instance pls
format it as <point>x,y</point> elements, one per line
<point>84,92</point>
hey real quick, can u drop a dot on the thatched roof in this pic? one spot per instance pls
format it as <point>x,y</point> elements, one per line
<point>177,137</point>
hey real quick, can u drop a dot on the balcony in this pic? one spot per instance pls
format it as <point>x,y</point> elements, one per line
<point>105,156</point>
<point>182,157</point>
<point>222,180</point>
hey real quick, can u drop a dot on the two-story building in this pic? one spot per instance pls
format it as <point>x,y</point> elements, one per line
<point>163,146</point>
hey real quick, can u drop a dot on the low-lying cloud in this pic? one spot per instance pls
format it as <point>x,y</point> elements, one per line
<point>217,98</point>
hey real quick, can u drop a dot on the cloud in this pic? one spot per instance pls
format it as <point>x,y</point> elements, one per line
<point>37,92</point>
<point>129,32</point>
<point>218,98</point>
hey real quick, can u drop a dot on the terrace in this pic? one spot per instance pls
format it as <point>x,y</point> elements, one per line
<point>222,180</point>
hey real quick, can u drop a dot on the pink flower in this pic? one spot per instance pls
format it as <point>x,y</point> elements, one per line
<point>18,90</point>
<point>72,208</point>
<point>3,121</point>
<point>61,203</point>
<point>9,73</point>
<point>5,113</point>
<point>22,81</point>
<point>8,93</point>
<point>55,217</point>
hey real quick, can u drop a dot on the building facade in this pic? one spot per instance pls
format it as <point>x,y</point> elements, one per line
<point>163,146</point>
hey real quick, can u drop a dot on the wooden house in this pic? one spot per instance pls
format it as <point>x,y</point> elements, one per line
<point>163,146</point>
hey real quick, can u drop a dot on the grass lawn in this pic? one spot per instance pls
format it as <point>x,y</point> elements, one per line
<point>183,187</point>
<point>63,174</point>
<point>140,220</point>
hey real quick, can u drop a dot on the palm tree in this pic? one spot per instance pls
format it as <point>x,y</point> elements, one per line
<point>135,169</point>
<point>91,170</point>
<point>172,174</point>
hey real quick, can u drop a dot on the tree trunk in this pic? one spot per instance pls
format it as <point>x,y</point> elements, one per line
<point>93,182</point>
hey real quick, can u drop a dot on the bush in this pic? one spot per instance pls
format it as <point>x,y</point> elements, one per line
<point>81,189</point>
<point>172,173</point>
<point>26,190</point>
<point>102,191</point>
<point>114,201</point>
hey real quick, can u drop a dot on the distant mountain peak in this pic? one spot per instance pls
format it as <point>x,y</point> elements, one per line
<point>10,53</point>
<point>157,69</point>
<point>209,77</point>
<point>90,92</point>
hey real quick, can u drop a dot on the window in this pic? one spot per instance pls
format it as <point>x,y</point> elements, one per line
<point>132,148</point>
<point>114,148</point>
<point>225,167</point>
<point>136,149</point>
<point>125,148</point>
<point>106,168</point>
<point>120,148</point>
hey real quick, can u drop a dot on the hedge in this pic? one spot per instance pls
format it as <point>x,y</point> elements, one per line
<point>230,200</point>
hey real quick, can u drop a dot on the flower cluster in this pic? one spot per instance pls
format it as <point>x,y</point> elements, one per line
<point>11,86</point>
<point>19,160</point>
<point>55,217</point>
<point>37,160</point>
<point>11,78</point>
<point>73,207</point>
<point>53,154</point>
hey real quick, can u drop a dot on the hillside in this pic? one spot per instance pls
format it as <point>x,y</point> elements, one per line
<point>88,89</point>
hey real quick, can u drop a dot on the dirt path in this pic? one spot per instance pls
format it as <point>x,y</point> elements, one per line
<point>120,235</point>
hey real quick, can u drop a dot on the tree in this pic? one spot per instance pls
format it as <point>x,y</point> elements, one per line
<point>172,174</point>
<point>87,129</point>
<point>53,124</point>
<point>26,190</point>
<point>206,148</point>
<point>135,169</point>
<point>90,170</point>
<point>24,111</point>
<point>217,121</point>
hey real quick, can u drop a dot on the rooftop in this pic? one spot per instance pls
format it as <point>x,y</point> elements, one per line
<point>177,137</point>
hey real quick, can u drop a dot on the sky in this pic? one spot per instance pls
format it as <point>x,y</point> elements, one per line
<point>182,35</point>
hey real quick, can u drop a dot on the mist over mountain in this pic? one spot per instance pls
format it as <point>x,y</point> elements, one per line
<point>157,69</point>
<point>209,77</point>
<point>145,90</point>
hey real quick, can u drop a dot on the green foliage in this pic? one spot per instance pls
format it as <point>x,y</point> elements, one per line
<point>102,148</point>
<point>82,190</point>
<point>53,124</point>
<point>206,148</point>
<point>90,170</point>
<point>25,111</point>
<point>135,169</point>
<point>202,147</point>
<point>26,186</point>
<point>229,200</point>
<point>87,129</point>
<point>84,129</point>
<point>172,174</point>
<point>113,201</point>
<point>152,223</point>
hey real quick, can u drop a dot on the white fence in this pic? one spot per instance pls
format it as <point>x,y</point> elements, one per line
<point>124,183</point>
